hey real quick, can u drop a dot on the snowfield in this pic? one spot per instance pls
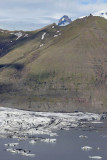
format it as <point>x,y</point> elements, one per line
<point>101,14</point>
<point>19,123</point>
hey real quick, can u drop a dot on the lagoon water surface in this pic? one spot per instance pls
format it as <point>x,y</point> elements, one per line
<point>52,136</point>
<point>67,147</point>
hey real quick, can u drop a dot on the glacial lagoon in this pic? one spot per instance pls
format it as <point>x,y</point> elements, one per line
<point>52,136</point>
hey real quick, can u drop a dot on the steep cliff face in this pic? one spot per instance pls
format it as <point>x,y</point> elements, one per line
<point>57,68</point>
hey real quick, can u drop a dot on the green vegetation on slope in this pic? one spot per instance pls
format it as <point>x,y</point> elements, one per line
<point>66,69</point>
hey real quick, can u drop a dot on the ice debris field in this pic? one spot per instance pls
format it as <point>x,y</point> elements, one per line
<point>21,123</point>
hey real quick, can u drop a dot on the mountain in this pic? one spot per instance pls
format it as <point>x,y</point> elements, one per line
<point>55,68</point>
<point>101,14</point>
<point>65,20</point>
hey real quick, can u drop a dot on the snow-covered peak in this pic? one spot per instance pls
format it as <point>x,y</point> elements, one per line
<point>101,14</point>
<point>65,20</point>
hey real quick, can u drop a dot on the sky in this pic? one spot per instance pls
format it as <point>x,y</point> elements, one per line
<point>43,12</point>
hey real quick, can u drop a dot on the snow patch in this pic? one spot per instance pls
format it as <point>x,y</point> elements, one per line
<point>18,34</point>
<point>82,17</point>
<point>43,36</point>
<point>41,45</point>
<point>65,24</point>
<point>55,36</point>
<point>26,35</point>
<point>63,19</point>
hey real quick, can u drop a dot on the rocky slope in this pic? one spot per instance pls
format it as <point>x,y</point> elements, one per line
<point>55,68</point>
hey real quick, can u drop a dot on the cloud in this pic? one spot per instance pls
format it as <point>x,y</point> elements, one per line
<point>47,11</point>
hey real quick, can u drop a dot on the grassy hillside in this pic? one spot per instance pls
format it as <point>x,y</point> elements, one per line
<point>56,68</point>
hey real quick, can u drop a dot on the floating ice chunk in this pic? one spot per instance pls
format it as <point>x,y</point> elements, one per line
<point>95,157</point>
<point>86,148</point>
<point>82,136</point>
<point>21,152</point>
<point>43,36</point>
<point>32,142</point>
<point>11,150</point>
<point>11,144</point>
<point>27,154</point>
<point>3,136</point>
<point>104,136</point>
<point>97,122</point>
<point>67,129</point>
<point>52,140</point>
<point>47,140</point>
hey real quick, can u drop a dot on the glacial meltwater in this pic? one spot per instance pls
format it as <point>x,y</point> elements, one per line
<point>28,135</point>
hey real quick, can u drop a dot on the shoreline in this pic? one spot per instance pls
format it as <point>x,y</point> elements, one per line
<point>62,107</point>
